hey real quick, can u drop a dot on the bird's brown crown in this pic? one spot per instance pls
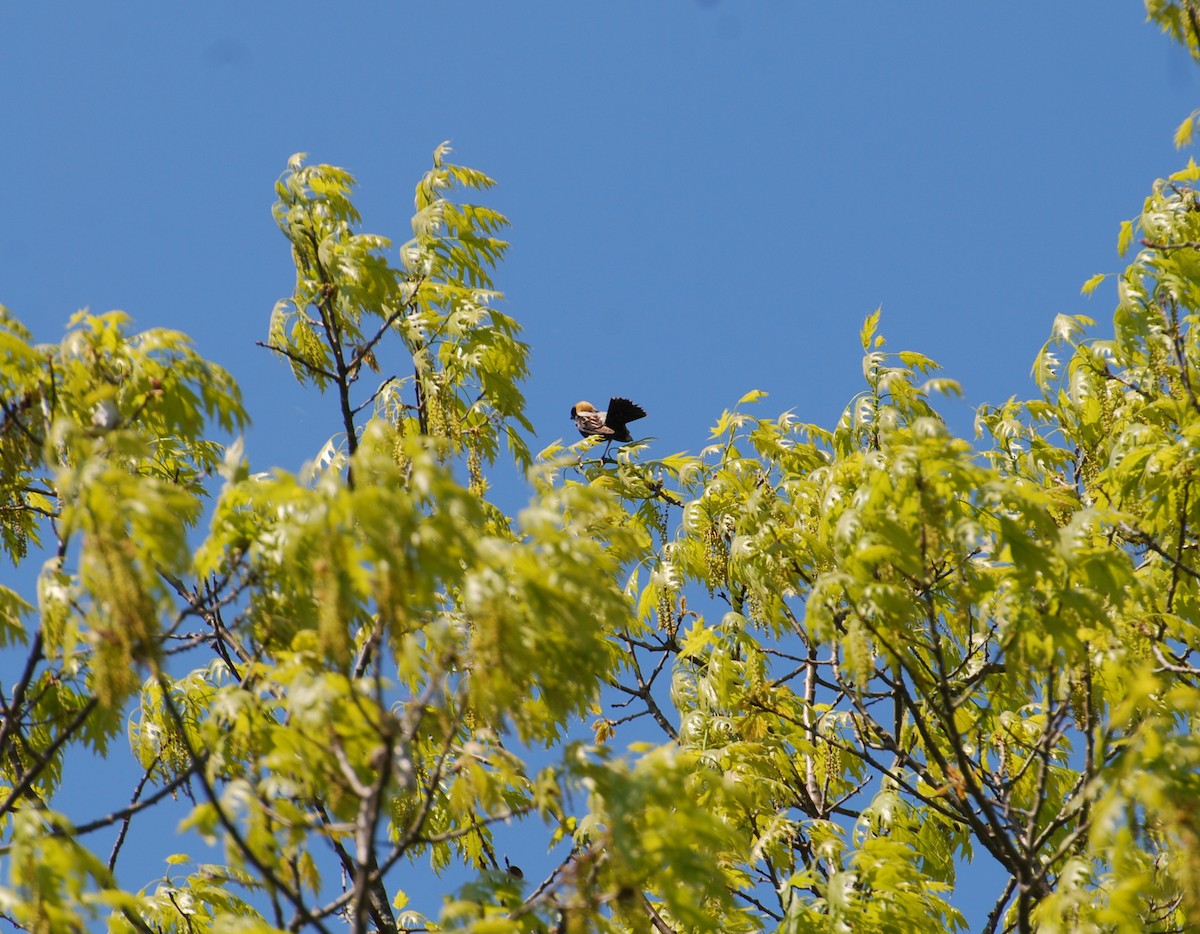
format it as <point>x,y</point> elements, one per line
<point>584,407</point>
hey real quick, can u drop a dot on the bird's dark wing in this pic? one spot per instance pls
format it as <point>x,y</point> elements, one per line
<point>622,412</point>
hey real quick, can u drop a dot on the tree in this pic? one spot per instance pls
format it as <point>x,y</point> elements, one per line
<point>350,669</point>
<point>873,652</point>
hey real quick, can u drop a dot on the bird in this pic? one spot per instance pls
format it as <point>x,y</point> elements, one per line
<point>610,424</point>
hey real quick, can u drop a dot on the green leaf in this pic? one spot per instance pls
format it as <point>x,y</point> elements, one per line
<point>12,609</point>
<point>947,387</point>
<point>869,326</point>
<point>1068,328</point>
<point>917,361</point>
<point>1125,237</point>
<point>1188,173</point>
<point>1183,135</point>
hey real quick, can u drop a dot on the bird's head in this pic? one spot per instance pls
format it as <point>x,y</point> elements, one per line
<point>581,407</point>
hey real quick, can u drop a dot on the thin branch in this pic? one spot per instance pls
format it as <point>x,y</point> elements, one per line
<point>12,712</point>
<point>137,793</point>
<point>375,395</point>
<point>46,755</point>
<point>997,912</point>
<point>135,805</point>
<point>308,365</point>
<point>1138,537</point>
<point>644,693</point>
<point>270,877</point>
<point>1168,247</point>
<point>541,892</point>
<point>655,918</point>
<point>405,309</point>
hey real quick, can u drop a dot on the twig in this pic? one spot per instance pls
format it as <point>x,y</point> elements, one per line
<point>308,365</point>
<point>1167,247</point>
<point>655,918</point>
<point>1138,537</point>
<point>375,395</point>
<point>997,911</point>
<point>44,758</point>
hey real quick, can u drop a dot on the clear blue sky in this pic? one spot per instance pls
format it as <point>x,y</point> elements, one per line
<point>708,195</point>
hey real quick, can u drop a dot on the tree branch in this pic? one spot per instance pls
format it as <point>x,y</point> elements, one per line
<point>308,365</point>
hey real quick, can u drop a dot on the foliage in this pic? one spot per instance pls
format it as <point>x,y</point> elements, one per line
<point>873,653</point>
<point>1179,19</point>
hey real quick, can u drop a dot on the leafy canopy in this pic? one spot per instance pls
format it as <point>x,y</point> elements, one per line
<point>866,655</point>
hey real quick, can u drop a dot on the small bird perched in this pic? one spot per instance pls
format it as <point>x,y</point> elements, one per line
<point>610,425</point>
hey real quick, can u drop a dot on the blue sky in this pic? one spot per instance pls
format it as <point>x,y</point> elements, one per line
<point>707,196</point>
